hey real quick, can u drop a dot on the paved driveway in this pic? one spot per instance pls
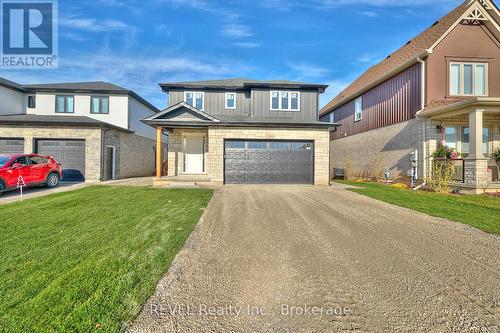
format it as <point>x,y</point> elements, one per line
<point>317,259</point>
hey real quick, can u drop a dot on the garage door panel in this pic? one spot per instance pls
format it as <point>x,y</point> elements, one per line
<point>70,153</point>
<point>268,162</point>
<point>11,146</point>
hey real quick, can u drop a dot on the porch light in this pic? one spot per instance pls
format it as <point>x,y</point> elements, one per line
<point>439,128</point>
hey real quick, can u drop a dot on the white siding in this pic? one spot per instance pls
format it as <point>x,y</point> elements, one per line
<point>118,106</point>
<point>12,101</point>
<point>138,112</point>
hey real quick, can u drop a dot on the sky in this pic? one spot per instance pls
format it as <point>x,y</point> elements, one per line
<point>140,43</point>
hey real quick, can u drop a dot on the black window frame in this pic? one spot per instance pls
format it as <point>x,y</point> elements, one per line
<point>28,162</point>
<point>100,104</point>
<point>65,104</point>
<point>31,101</point>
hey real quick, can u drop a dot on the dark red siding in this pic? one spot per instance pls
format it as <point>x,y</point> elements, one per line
<point>393,101</point>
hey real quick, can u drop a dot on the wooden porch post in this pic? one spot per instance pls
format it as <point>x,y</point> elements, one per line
<point>158,151</point>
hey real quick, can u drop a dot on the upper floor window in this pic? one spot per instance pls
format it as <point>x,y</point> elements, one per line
<point>285,100</point>
<point>358,109</point>
<point>32,101</point>
<point>99,104</point>
<point>468,79</point>
<point>331,117</point>
<point>230,100</point>
<point>196,99</point>
<point>65,104</point>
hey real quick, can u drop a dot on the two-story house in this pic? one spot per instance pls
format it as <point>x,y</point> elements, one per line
<point>442,86</point>
<point>245,131</point>
<point>94,129</point>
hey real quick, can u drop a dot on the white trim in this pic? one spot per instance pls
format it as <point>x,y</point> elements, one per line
<point>194,99</point>
<point>356,118</point>
<point>185,136</point>
<point>461,78</point>
<point>463,17</point>
<point>225,100</point>
<point>280,107</point>
<point>113,170</point>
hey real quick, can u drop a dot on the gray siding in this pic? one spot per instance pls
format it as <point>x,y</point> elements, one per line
<point>215,103</point>
<point>255,104</point>
<point>308,106</point>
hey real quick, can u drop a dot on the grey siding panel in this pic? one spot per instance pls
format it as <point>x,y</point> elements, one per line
<point>308,106</point>
<point>255,104</point>
<point>215,103</point>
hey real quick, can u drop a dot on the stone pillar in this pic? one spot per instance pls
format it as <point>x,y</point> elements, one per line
<point>476,165</point>
<point>159,148</point>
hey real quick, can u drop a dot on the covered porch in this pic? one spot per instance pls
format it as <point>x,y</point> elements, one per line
<point>472,129</point>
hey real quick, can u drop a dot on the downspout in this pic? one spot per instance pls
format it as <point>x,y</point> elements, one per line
<point>417,115</point>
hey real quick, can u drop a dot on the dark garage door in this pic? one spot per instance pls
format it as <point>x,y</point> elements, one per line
<point>268,162</point>
<point>11,146</point>
<point>70,153</point>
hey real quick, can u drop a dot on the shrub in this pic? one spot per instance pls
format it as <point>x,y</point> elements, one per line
<point>349,170</point>
<point>442,174</point>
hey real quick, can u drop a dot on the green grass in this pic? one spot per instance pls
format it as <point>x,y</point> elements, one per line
<point>479,211</point>
<point>88,259</point>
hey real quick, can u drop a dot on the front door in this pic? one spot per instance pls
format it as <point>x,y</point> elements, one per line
<point>194,149</point>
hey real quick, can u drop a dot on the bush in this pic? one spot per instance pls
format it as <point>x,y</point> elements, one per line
<point>442,174</point>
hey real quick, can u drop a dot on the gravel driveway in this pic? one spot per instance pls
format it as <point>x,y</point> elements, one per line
<point>317,259</point>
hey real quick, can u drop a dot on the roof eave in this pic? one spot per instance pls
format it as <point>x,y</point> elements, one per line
<point>375,83</point>
<point>476,101</point>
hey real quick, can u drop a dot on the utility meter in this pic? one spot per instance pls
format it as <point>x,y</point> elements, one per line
<point>414,166</point>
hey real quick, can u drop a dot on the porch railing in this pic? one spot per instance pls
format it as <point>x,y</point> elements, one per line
<point>457,168</point>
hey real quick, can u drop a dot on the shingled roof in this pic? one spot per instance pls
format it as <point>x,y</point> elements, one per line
<point>399,59</point>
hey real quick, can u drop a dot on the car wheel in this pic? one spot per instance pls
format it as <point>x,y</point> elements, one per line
<point>2,187</point>
<point>52,180</point>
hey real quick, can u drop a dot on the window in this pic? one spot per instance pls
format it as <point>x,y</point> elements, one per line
<point>65,104</point>
<point>450,137</point>
<point>358,109</point>
<point>466,141</point>
<point>468,79</point>
<point>21,160</point>
<point>230,100</point>
<point>285,100</point>
<point>99,105</point>
<point>331,117</point>
<point>196,99</point>
<point>235,144</point>
<point>31,102</point>
<point>257,145</point>
<point>38,160</point>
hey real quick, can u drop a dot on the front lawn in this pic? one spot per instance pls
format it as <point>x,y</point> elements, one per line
<point>88,259</point>
<point>480,211</point>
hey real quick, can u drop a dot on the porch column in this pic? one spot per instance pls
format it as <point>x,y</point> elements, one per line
<point>158,151</point>
<point>476,165</point>
<point>476,134</point>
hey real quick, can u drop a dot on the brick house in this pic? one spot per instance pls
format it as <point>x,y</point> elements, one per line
<point>241,131</point>
<point>94,129</point>
<point>443,86</point>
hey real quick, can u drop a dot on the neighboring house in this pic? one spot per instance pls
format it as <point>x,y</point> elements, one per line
<point>93,129</point>
<point>442,86</point>
<point>245,131</point>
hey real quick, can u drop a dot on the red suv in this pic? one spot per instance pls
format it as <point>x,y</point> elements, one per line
<point>34,170</point>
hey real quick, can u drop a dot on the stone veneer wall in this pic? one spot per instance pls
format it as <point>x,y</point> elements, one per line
<point>392,143</point>
<point>135,155</point>
<point>92,137</point>
<point>216,136</point>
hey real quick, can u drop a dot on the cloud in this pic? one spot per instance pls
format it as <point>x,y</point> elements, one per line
<point>322,4</point>
<point>305,71</point>
<point>236,31</point>
<point>248,45</point>
<point>90,24</point>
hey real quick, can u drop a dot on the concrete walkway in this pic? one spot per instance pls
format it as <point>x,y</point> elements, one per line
<point>318,259</point>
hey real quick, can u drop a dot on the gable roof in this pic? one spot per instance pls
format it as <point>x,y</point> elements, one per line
<point>240,84</point>
<point>203,116</point>
<point>402,58</point>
